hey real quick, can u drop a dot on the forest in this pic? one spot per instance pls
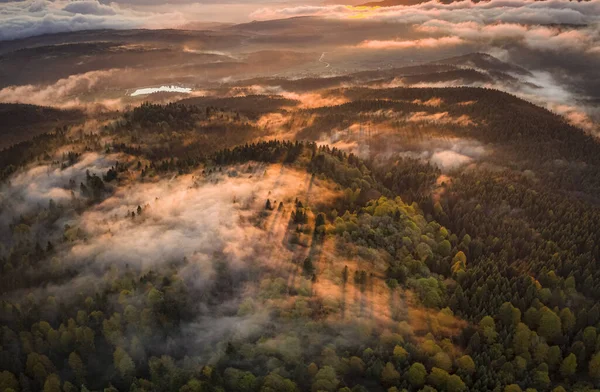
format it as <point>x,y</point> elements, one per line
<point>197,247</point>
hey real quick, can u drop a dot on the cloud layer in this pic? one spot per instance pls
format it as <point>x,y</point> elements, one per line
<point>503,11</point>
<point>63,93</point>
<point>19,19</point>
<point>428,43</point>
<point>35,17</point>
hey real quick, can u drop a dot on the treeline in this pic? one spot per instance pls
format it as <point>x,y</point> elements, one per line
<point>271,151</point>
<point>170,116</point>
<point>250,106</point>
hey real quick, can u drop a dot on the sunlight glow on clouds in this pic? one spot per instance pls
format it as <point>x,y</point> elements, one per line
<point>405,44</point>
<point>488,12</point>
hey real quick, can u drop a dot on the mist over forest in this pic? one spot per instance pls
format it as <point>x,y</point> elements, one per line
<point>269,196</point>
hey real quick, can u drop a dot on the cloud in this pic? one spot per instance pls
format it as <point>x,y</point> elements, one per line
<point>301,10</point>
<point>575,116</point>
<point>313,100</point>
<point>306,100</point>
<point>448,160</point>
<point>455,153</point>
<point>447,153</point>
<point>64,93</point>
<point>19,19</point>
<point>60,91</point>
<point>36,17</point>
<point>555,26</point>
<point>425,43</point>
<point>480,22</point>
<point>87,7</point>
<point>192,216</point>
<point>535,37</point>
<point>517,11</point>
<point>543,89</point>
<point>208,228</point>
<point>439,118</point>
<point>168,89</point>
<point>434,102</point>
<point>29,192</point>
<point>37,6</point>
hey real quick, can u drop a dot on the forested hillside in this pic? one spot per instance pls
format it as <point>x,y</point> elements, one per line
<point>432,239</point>
<point>22,122</point>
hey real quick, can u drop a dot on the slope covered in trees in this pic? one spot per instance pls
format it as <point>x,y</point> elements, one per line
<point>22,122</point>
<point>183,247</point>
